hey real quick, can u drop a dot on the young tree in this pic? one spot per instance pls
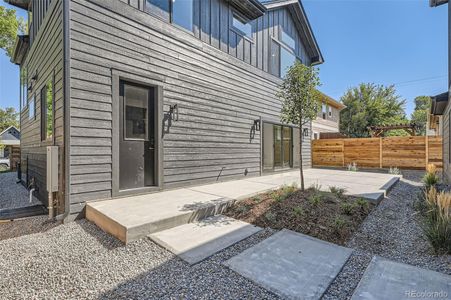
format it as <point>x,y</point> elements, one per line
<point>8,117</point>
<point>10,25</point>
<point>371,105</point>
<point>300,100</point>
<point>420,113</point>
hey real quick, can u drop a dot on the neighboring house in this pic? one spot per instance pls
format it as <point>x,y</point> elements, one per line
<point>144,95</point>
<point>441,104</point>
<point>328,120</point>
<point>434,125</point>
<point>10,146</point>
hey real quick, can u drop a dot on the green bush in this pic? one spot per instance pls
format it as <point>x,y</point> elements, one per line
<point>337,191</point>
<point>315,198</point>
<point>339,223</point>
<point>362,203</point>
<point>430,179</point>
<point>347,208</point>
<point>298,211</point>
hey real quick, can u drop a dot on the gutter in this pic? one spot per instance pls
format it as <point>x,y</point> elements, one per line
<point>66,107</point>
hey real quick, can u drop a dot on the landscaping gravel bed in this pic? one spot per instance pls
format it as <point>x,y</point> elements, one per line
<point>79,261</point>
<point>13,195</point>
<point>392,231</point>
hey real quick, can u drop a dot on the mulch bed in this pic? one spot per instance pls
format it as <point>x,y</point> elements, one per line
<point>332,217</point>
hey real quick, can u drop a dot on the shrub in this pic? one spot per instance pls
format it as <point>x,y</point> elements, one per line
<point>347,208</point>
<point>270,216</point>
<point>283,193</point>
<point>438,220</point>
<point>315,188</point>
<point>337,191</point>
<point>430,178</point>
<point>352,167</point>
<point>315,198</point>
<point>394,171</point>
<point>339,223</point>
<point>257,199</point>
<point>243,208</point>
<point>298,211</point>
<point>362,203</point>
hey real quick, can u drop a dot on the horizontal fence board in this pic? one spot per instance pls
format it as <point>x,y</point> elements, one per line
<point>413,152</point>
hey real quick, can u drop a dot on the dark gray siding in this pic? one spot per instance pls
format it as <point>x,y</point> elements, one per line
<point>219,97</point>
<point>44,59</point>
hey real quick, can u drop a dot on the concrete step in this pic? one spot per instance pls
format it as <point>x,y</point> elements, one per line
<point>197,241</point>
<point>132,218</point>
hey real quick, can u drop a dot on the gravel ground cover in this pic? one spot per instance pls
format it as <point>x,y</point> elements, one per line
<point>392,231</point>
<point>13,195</point>
<point>79,261</point>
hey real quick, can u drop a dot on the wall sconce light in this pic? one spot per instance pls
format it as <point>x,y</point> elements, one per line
<point>305,132</point>
<point>32,81</point>
<point>174,111</point>
<point>257,125</point>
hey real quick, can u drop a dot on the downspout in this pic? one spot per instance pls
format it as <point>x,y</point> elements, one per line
<point>66,97</point>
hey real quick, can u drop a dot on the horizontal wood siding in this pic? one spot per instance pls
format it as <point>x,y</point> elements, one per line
<point>219,97</point>
<point>44,59</point>
<point>403,152</point>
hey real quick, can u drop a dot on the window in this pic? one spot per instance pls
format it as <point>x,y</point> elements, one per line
<point>136,112</point>
<point>32,108</point>
<point>160,8</point>
<point>330,111</point>
<point>287,59</point>
<point>23,87</point>
<point>274,59</point>
<point>242,26</point>
<point>288,40</point>
<point>324,110</point>
<point>47,111</point>
<point>183,13</point>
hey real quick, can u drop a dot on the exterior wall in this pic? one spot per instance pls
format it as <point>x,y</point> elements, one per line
<point>44,59</point>
<point>219,96</point>
<point>329,124</point>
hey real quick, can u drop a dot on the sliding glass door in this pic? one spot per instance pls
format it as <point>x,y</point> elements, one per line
<point>277,146</point>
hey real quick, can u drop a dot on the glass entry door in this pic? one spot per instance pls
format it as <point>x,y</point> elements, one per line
<point>137,136</point>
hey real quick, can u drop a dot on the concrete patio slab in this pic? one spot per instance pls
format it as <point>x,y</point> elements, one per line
<point>291,264</point>
<point>134,217</point>
<point>384,279</point>
<point>197,241</point>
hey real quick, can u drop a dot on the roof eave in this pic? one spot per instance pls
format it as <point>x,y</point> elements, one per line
<point>19,3</point>
<point>20,49</point>
<point>439,104</point>
<point>251,9</point>
<point>435,3</point>
<point>316,57</point>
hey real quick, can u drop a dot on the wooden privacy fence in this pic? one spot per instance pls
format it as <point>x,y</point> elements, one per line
<point>410,152</point>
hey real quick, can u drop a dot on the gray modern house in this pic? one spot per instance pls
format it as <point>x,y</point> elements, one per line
<point>136,96</point>
<point>441,103</point>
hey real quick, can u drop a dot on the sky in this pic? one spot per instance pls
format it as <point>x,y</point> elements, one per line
<point>400,42</point>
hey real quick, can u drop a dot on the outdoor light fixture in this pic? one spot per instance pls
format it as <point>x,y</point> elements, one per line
<point>32,81</point>
<point>305,131</point>
<point>257,125</point>
<point>174,111</point>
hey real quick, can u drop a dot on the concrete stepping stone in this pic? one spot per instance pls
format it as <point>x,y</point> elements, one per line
<point>385,279</point>
<point>194,242</point>
<point>292,265</point>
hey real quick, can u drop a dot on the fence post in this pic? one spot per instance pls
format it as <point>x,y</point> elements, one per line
<point>426,142</point>
<point>380,152</point>
<point>343,151</point>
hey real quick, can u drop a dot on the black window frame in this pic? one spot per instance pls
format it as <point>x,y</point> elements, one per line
<point>170,18</point>
<point>33,99</point>
<point>44,110</point>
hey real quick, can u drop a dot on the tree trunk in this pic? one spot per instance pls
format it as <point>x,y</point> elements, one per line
<point>301,165</point>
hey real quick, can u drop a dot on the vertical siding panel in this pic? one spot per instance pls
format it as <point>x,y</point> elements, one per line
<point>205,21</point>
<point>215,23</point>
<point>224,26</point>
